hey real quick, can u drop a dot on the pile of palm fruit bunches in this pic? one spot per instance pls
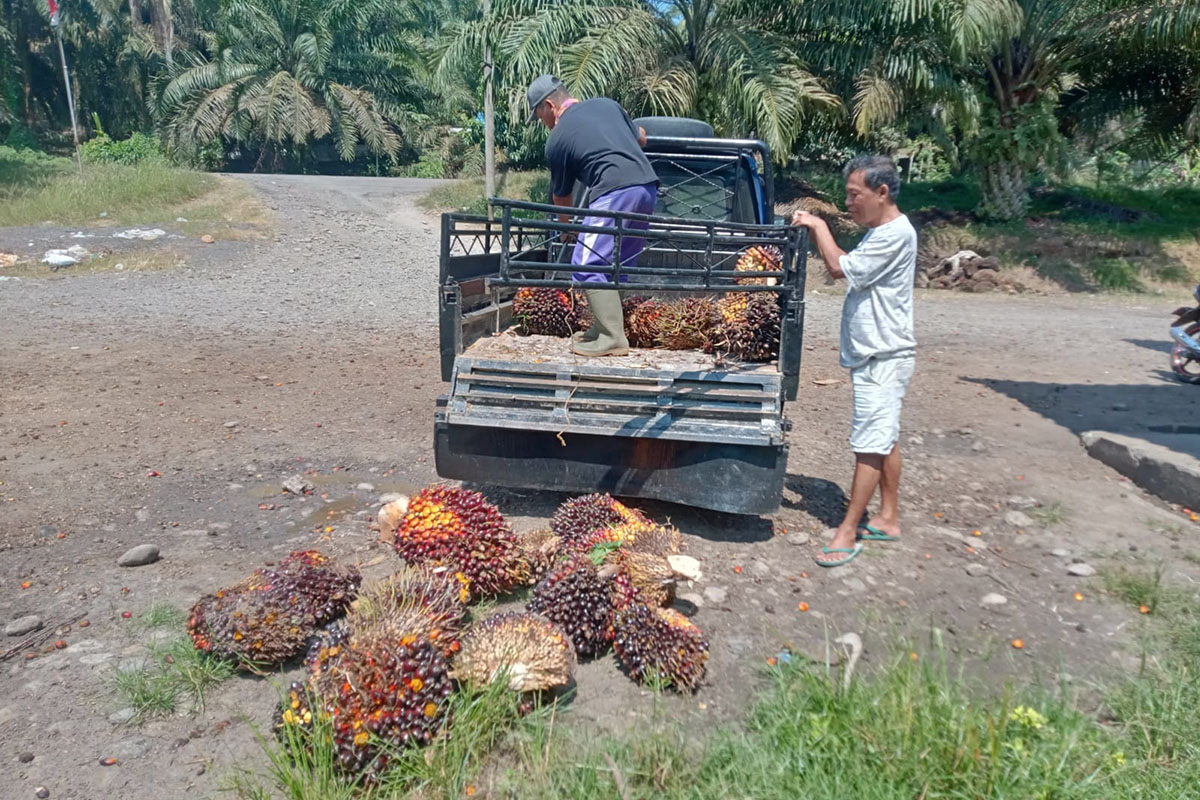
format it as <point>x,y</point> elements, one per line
<point>740,325</point>
<point>381,662</point>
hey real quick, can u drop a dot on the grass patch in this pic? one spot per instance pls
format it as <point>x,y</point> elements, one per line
<point>34,190</point>
<point>1049,515</point>
<point>231,210</point>
<point>162,615</point>
<point>1145,589</point>
<point>467,195</point>
<point>175,675</point>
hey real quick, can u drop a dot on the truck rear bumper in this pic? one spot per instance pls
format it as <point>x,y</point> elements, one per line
<point>734,478</point>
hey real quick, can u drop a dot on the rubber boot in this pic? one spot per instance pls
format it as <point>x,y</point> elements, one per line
<point>590,335</point>
<point>610,325</point>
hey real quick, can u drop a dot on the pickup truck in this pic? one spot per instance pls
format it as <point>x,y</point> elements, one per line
<point>680,426</point>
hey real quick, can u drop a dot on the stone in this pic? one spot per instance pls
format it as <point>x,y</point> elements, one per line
<point>141,515</point>
<point>739,645</point>
<point>975,486</point>
<point>798,539</point>
<point>1022,503</point>
<point>131,748</point>
<point>23,625</point>
<point>760,569</point>
<point>233,423</point>
<point>121,717</point>
<point>139,556</point>
<point>194,532</point>
<point>993,600</point>
<point>365,487</point>
<point>1018,519</point>
<point>977,570</point>
<point>1081,570</point>
<point>41,793</point>
<point>391,497</point>
<point>207,238</point>
<point>979,446</point>
<point>48,530</point>
<point>235,487</point>
<point>854,584</point>
<point>298,484</point>
<point>85,646</point>
<point>95,659</point>
<point>25,757</point>
<point>1060,552</point>
<point>219,526</point>
<point>715,594</point>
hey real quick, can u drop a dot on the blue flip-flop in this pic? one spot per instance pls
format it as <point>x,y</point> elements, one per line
<point>853,551</point>
<point>874,535</point>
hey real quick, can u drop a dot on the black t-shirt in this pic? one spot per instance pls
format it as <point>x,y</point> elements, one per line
<point>596,142</point>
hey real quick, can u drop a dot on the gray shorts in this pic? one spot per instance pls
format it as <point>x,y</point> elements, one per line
<point>879,388</point>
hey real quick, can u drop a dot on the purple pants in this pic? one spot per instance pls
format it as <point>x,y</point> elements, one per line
<point>596,249</point>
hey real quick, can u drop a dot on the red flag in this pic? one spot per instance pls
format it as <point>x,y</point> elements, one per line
<point>53,11</point>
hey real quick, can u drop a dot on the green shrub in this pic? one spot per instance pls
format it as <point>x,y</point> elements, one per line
<point>102,149</point>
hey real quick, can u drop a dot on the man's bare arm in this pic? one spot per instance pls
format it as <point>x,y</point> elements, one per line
<point>641,137</point>
<point>563,200</point>
<point>827,246</point>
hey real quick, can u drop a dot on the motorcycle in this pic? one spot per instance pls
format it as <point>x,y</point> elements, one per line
<point>1185,355</point>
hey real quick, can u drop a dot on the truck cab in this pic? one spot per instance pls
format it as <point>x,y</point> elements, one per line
<point>679,426</point>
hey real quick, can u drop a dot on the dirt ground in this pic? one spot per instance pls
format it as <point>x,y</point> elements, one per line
<point>167,406</point>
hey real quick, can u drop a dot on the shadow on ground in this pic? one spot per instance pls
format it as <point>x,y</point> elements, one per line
<point>1131,409</point>
<point>1158,345</point>
<point>821,499</point>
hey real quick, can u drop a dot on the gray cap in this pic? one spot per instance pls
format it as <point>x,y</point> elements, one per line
<point>542,87</point>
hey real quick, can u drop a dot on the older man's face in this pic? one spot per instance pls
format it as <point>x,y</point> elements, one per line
<point>866,205</point>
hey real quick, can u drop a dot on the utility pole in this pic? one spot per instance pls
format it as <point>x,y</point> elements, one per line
<point>489,116</point>
<point>56,25</point>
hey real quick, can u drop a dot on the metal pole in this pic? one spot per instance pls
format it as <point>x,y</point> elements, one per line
<point>489,119</point>
<point>70,97</point>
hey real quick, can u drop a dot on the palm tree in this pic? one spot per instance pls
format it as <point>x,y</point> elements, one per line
<point>994,69</point>
<point>704,58</point>
<point>289,73</point>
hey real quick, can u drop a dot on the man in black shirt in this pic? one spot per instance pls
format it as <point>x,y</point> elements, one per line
<point>596,143</point>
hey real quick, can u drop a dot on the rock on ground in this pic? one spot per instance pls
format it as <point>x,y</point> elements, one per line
<point>139,556</point>
<point>23,625</point>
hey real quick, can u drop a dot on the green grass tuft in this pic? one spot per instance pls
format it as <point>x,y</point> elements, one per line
<point>1049,515</point>
<point>162,615</point>
<point>467,196</point>
<point>175,676</point>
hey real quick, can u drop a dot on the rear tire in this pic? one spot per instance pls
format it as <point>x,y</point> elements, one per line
<point>1183,364</point>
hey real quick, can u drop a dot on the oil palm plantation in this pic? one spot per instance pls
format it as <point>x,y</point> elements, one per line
<point>705,58</point>
<point>993,70</point>
<point>282,75</point>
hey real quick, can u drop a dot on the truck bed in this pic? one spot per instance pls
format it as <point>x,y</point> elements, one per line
<point>509,346</point>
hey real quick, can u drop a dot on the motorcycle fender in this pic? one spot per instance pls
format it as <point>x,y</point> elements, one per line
<point>1186,315</point>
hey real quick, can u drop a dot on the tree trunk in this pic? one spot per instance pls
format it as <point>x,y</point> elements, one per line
<point>135,12</point>
<point>489,121</point>
<point>1005,191</point>
<point>164,29</point>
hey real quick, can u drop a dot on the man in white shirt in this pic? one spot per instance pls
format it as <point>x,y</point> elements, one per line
<point>878,346</point>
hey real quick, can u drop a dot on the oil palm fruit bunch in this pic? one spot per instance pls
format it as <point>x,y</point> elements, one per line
<point>546,311</point>
<point>750,327</point>
<point>528,651</point>
<point>760,258</point>
<point>540,550</point>
<point>328,588</point>
<point>659,645</point>
<point>380,690</point>
<point>269,616</point>
<point>577,598</point>
<point>686,324</point>
<point>641,323</point>
<point>417,600</point>
<point>580,517</point>
<point>459,530</point>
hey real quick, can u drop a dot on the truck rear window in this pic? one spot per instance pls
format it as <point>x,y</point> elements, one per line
<point>697,188</point>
